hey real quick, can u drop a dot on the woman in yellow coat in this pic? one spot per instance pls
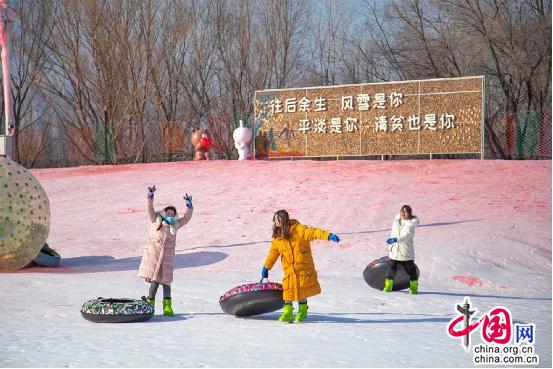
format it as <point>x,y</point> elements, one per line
<point>291,241</point>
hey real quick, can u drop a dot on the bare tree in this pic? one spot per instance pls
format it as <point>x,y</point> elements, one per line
<point>101,71</point>
<point>507,40</point>
<point>198,78</point>
<point>113,75</point>
<point>29,58</point>
<point>170,61</point>
<point>326,45</point>
<point>284,25</point>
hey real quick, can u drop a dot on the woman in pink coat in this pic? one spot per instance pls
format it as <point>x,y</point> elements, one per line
<point>158,260</point>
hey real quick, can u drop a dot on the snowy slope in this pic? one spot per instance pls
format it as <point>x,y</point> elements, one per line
<point>485,232</point>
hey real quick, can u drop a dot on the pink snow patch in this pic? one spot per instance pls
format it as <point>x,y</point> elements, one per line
<point>130,211</point>
<point>468,280</point>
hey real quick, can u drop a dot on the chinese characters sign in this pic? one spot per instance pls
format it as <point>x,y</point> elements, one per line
<point>412,117</point>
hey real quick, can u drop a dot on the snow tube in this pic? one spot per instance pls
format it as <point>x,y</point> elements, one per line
<point>47,257</point>
<point>375,275</point>
<point>103,310</point>
<point>252,299</point>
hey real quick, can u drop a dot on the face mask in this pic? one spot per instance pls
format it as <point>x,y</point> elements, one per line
<point>169,220</point>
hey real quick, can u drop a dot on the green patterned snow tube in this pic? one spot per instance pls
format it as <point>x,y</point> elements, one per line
<point>102,310</point>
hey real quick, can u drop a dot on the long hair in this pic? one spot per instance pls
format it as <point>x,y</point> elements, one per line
<point>407,211</point>
<point>167,208</point>
<point>284,229</point>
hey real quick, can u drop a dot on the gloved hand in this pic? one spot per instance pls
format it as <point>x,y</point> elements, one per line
<point>333,237</point>
<point>188,199</point>
<point>151,191</point>
<point>264,273</point>
<point>392,240</point>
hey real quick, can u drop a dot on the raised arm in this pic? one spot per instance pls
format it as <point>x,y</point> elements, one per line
<point>150,204</point>
<point>185,218</point>
<point>189,211</point>
<point>310,234</point>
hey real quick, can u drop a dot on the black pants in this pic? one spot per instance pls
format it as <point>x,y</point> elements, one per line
<point>153,290</point>
<point>409,266</point>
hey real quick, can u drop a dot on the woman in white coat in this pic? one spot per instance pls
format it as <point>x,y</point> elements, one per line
<point>401,249</point>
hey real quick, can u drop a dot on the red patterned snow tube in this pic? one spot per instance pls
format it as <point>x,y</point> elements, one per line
<point>252,299</point>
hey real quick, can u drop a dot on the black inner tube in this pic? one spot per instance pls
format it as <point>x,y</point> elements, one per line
<point>116,301</point>
<point>48,251</point>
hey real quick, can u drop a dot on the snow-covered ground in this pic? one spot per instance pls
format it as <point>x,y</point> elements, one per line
<point>485,233</point>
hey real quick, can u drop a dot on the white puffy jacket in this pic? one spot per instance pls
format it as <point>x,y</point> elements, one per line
<point>404,231</point>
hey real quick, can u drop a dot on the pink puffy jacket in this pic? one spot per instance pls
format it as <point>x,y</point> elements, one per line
<point>158,260</point>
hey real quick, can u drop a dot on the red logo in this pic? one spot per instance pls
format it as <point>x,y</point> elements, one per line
<point>496,325</point>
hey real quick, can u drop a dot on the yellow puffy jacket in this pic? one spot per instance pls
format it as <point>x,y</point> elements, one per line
<point>300,278</point>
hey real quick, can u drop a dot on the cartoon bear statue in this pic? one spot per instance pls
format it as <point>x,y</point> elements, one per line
<point>202,143</point>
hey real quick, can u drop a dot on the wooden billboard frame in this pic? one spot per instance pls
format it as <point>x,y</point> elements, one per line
<point>481,91</point>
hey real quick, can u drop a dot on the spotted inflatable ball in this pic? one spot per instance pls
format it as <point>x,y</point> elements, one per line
<point>24,216</point>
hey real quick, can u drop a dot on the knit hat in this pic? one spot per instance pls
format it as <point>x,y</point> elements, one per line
<point>160,215</point>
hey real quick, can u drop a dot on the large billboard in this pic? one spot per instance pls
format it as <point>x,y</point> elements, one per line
<point>435,116</point>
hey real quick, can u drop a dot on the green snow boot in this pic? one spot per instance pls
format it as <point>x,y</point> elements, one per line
<point>167,309</point>
<point>287,315</point>
<point>388,285</point>
<point>302,313</point>
<point>151,302</point>
<point>413,287</point>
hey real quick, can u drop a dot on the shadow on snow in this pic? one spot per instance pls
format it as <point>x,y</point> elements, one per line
<point>107,263</point>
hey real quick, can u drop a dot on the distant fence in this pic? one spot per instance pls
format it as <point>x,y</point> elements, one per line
<point>524,135</point>
<point>121,143</point>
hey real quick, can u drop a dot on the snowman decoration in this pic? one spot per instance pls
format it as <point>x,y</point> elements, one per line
<point>242,137</point>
